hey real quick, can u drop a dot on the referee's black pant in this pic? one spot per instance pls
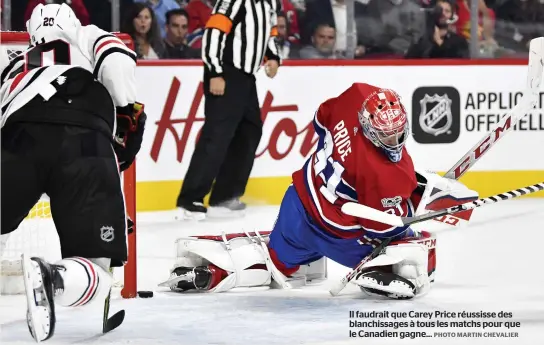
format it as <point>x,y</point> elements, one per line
<point>229,139</point>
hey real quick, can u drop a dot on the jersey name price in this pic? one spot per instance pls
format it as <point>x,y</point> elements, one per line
<point>342,141</point>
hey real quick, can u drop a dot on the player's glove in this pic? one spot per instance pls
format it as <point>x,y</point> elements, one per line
<point>128,120</point>
<point>129,135</point>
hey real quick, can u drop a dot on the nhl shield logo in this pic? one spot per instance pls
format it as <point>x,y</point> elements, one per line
<point>438,118</point>
<point>107,234</point>
<point>436,114</point>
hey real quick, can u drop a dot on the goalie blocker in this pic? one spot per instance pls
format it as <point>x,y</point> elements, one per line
<point>405,268</point>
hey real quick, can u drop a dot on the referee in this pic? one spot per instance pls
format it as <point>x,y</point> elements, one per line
<point>238,38</point>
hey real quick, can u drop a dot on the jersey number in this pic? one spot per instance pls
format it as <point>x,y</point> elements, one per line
<point>321,161</point>
<point>48,21</point>
<point>397,210</point>
<point>50,53</point>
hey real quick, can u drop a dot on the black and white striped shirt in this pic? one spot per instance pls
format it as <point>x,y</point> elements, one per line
<point>241,33</point>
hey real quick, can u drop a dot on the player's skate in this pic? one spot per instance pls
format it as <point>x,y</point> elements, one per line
<point>191,211</point>
<point>190,278</point>
<point>391,285</point>
<point>227,209</point>
<point>42,280</point>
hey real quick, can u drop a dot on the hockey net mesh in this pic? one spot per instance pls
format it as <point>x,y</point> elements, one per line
<point>36,235</point>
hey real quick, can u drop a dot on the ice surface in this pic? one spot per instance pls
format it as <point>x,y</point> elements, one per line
<point>493,265</point>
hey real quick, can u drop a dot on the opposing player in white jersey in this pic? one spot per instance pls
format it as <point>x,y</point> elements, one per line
<point>70,122</point>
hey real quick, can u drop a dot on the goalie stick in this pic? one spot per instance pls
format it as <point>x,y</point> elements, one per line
<point>366,212</point>
<point>506,124</point>
<point>530,97</point>
<point>340,285</point>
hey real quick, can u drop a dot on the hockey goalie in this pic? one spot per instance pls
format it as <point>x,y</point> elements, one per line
<point>360,157</point>
<point>70,123</point>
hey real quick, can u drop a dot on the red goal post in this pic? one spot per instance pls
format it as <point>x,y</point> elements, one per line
<point>17,41</point>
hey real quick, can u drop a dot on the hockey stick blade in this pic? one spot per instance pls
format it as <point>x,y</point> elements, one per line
<point>506,124</point>
<point>113,322</point>
<point>362,211</point>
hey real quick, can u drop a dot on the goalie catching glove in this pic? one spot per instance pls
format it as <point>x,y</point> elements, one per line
<point>435,192</point>
<point>129,134</point>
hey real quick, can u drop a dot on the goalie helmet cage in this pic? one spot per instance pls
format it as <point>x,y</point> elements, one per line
<point>16,42</point>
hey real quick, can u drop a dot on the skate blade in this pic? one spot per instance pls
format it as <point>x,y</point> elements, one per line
<point>184,215</point>
<point>404,292</point>
<point>38,329</point>
<point>218,212</point>
<point>172,282</point>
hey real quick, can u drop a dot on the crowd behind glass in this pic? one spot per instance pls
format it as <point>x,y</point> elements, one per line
<point>325,29</point>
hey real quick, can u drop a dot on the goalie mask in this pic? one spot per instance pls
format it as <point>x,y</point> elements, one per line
<point>47,20</point>
<point>384,122</point>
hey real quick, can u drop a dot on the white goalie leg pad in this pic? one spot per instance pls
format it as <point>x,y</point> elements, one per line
<point>409,260</point>
<point>85,280</point>
<point>314,272</point>
<point>246,278</point>
<point>235,256</point>
<point>413,262</point>
<point>382,260</point>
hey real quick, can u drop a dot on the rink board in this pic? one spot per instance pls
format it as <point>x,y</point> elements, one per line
<point>445,128</point>
<point>479,93</point>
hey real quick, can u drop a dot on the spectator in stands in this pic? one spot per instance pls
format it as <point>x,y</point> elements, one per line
<point>290,14</point>
<point>485,19</point>
<point>334,12</point>
<point>177,23</point>
<point>160,7</point>
<point>287,49</point>
<point>100,13</point>
<point>77,5</point>
<point>519,22</point>
<point>199,12</point>
<point>440,41</point>
<point>141,25</point>
<point>486,28</point>
<point>323,43</point>
<point>389,27</point>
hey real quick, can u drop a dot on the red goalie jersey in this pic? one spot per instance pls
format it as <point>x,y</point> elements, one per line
<point>356,160</point>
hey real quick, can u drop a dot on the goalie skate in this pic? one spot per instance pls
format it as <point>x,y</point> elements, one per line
<point>189,278</point>
<point>386,284</point>
<point>39,279</point>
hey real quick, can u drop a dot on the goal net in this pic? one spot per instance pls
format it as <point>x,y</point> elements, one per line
<point>37,235</point>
